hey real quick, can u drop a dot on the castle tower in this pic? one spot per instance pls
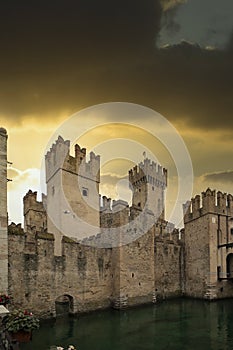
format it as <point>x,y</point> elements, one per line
<point>208,239</point>
<point>72,192</point>
<point>149,181</point>
<point>3,213</point>
<point>34,213</point>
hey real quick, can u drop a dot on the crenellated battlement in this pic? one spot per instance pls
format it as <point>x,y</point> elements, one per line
<point>113,213</point>
<point>88,169</point>
<point>105,204</point>
<point>59,147</point>
<point>166,229</point>
<point>149,182</point>
<point>230,202</point>
<point>208,202</point>
<point>119,205</point>
<point>58,157</point>
<point>15,229</point>
<point>34,212</point>
<point>150,172</point>
<point>109,205</point>
<point>31,203</point>
<point>80,153</point>
<point>169,235</point>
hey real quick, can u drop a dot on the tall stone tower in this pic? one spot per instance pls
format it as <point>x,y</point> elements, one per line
<point>149,181</point>
<point>208,239</point>
<point>72,192</point>
<point>3,213</point>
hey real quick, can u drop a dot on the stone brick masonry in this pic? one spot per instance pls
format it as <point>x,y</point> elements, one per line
<point>92,271</point>
<point>3,213</point>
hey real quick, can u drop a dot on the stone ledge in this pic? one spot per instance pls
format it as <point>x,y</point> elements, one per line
<point>45,235</point>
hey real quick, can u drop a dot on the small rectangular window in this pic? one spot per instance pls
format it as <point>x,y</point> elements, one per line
<point>232,230</point>
<point>85,192</point>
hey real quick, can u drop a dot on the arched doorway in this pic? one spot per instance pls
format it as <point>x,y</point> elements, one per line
<point>64,305</point>
<point>230,265</point>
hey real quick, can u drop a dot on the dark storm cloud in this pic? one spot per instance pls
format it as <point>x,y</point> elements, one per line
<point>169,22</point>
<point>201,86</point>
<point>222,177</point>
<point>53,52</point>
<point>229,47</point>
<point>52,31</point>
<point>65,55</point>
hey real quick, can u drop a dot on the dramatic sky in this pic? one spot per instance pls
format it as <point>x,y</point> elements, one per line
<point>174,56</point>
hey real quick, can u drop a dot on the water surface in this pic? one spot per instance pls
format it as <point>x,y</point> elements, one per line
<point>181,324</point>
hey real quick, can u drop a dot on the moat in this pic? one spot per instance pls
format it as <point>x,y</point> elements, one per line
<point>181,324</point>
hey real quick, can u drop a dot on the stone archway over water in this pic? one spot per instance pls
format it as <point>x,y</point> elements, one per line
<point>64,305</point>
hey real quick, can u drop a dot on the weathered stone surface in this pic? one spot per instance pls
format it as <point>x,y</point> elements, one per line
<point>46,265</point>
<point>3,213</point>
<point>208,243</point>
<point>151,260</point>
<point>93,277</point>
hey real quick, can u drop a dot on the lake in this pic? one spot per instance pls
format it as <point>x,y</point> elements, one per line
<point>179,324</point>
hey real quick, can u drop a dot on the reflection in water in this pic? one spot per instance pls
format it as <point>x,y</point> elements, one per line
<point>175,325</point>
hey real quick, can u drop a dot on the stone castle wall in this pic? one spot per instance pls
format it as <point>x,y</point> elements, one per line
<point>93,277</point>
<point>37,278</point>
<point>208,245</point>
<point>168,268</point>
<point>133,256</point>
<point>3,213</point>
<point>158,264</point>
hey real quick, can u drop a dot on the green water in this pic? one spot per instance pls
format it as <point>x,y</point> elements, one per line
<point>181,324</point>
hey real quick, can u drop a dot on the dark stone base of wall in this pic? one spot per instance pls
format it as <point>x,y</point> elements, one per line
<point>89,306</point>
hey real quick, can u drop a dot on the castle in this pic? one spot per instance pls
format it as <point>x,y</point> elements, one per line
<point>89,252</point>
